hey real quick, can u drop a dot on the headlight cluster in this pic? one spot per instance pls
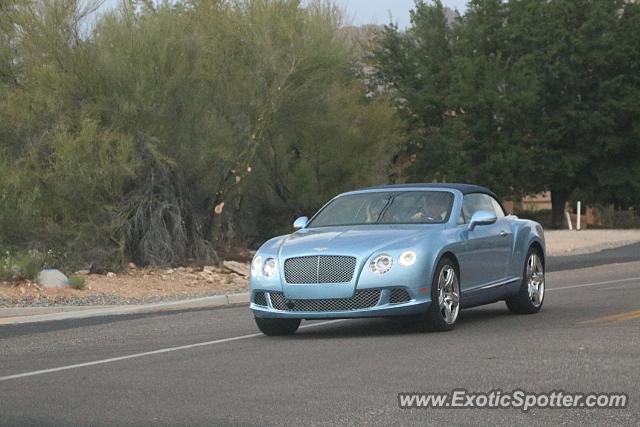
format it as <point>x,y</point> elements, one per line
<point>382,263</point>
<point>256,264</point>
<point>269,268</point>
<point>407,258</point>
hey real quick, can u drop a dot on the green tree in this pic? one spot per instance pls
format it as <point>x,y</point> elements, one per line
<point>540,96</point>
<point>582,54</point>
<point>164,132</point>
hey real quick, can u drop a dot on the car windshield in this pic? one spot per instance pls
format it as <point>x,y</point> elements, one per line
<point>394,207</point>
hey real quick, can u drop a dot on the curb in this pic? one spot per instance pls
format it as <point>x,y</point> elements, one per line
<point>77,312</point>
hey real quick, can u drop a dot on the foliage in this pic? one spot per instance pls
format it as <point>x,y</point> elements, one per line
<point>522,96</point>
<point>21,265</point>
<point>77,282</point>
<point>121,133</point>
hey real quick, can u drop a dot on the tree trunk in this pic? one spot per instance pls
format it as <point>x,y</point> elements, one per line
<point>559,199</point>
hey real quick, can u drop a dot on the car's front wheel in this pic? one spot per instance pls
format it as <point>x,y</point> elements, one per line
<point>445,298</point>
<point>276,327</point>
<point>530,296</point>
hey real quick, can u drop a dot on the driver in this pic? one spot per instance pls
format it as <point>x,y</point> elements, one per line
<point>429,212</point>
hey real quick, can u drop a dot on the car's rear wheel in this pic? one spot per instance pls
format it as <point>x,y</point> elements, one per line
<point>276,327</point>
<point>445,298</point>
<point>530,296</point>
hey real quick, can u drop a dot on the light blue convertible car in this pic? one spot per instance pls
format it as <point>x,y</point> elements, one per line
<point>415,250</point>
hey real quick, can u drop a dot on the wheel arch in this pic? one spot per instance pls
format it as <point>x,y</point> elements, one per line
<point>453,258</point>
<point>538,247</point>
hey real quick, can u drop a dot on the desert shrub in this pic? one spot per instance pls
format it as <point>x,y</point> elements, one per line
<point>21,265</point>
<point>609,217</point>
<point>77,282</point>
<point>121,132</point>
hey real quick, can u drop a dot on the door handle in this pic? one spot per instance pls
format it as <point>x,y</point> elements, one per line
<point>503,233</point>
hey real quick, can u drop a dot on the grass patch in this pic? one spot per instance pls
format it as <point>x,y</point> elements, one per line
<point>77,282</point>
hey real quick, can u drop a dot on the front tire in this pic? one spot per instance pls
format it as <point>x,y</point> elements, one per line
<point>276,327</point>
<point>530,296</point>
<point>445,298</point>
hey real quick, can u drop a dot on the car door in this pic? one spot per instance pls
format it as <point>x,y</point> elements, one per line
<point>487,248</point>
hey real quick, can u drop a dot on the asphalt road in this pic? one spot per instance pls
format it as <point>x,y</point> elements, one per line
<point>213,369</point>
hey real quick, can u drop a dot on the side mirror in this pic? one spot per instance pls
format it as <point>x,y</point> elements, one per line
<point>300,222</point>
<point>482,218</point>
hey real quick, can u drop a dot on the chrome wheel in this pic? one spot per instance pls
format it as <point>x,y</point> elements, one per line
<point>535,279</point>
<point>448,294</point>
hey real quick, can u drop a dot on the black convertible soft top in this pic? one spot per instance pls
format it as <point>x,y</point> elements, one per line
<point>463,188</point>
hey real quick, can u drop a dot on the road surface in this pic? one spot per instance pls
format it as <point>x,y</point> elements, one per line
<point>211,367</point>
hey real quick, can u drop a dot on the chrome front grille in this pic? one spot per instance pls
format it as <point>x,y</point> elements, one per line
<point>360,300</point>
<point>319,269</point>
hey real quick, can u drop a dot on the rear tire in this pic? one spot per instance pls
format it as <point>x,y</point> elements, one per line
<point>445,298</point>
<point>276,327</point>
<point>530,296</point>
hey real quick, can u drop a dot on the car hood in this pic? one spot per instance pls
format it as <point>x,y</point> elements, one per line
<point>360,241</point>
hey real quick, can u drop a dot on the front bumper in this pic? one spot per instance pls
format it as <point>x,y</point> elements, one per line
<point>274,305</point>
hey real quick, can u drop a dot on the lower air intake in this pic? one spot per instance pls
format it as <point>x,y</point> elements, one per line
<point>360,300</point>
<point>259,299</point>
<point>398,295</point>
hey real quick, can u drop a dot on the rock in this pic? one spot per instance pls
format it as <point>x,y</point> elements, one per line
<point>132,266</point>
<point>237,267</point>
<point>52,278</point>
<point>82,272</point>
<point>111,274</point>
<point>169,271</point>
<point>208,268</point>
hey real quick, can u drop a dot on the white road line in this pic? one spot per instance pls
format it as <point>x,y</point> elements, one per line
<point>225,340</point>
<point>149,353</point>
<point>584,285</point>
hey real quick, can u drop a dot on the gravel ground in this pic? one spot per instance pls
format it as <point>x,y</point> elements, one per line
<point>94,299</point>
<point>133,286</point>
<point>566,242</point>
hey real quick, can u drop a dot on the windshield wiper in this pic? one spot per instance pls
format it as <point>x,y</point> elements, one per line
<point>384,209</point>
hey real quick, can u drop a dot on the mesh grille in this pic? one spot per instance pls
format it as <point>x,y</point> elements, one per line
<point>319,269</point>
<point>259,299</point>
<point>398,295</point>
<point>361,299</point>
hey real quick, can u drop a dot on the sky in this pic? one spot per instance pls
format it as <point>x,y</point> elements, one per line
<point>377,11</point>
<point>361,12</point>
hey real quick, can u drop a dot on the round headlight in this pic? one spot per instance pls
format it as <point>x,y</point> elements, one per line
<point>255,265</point>
<point>270,267</point>
<point>407,258</point>
<point>381,264</point>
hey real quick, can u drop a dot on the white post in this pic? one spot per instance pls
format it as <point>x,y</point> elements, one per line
<point>568,220</point>
<point>578,219</point>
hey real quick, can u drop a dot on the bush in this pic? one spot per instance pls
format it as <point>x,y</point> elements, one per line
<point>609,217</point>
<point>22,265</point>
<point>77,282</point>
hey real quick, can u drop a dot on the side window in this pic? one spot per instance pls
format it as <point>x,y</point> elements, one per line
<point>474,202</point>
<point>497,208</point>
